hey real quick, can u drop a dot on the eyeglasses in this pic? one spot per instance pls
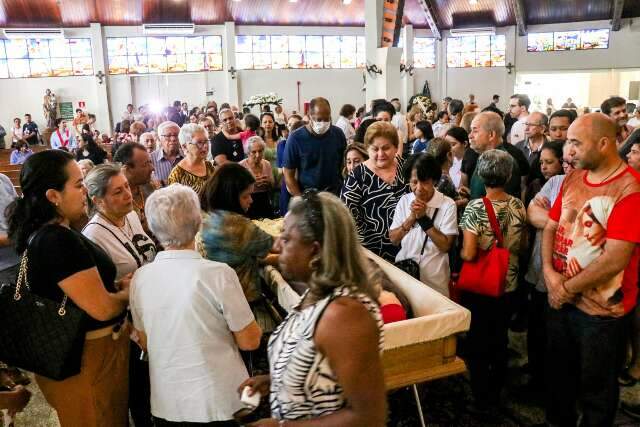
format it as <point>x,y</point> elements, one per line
<point>228,119</point>
<point>533,124</point>
<point>170,136</point>
<point>200,144</point>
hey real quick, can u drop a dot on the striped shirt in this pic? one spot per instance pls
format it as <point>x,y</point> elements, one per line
<point>163,166</point>
<point>303,384</point>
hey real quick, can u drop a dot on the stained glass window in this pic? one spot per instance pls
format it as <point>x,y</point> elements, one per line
<point>476,51</point>
<point>142,55</point>
<point>568,40</point>
<point>278,52</point>
<point>424,52</point>
<point>20,58</point>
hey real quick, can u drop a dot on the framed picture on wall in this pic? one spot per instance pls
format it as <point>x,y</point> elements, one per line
<point>594,39</point>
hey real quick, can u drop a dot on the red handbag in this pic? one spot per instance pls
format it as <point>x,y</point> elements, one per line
<point>487,274</point>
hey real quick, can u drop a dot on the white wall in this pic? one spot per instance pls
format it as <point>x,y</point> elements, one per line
<point>22,96</point>
<point>339,86</point>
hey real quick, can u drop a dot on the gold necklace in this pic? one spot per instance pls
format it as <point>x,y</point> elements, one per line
<point>614,171</point>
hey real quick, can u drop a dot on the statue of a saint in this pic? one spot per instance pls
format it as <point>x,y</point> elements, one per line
<point>50,108</point>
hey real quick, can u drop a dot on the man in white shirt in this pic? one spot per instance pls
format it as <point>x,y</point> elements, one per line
<point>344,121</point>
<point>518,109</point>
<point>399,120</point>
<point>634,122</point>
<point>129,114</point>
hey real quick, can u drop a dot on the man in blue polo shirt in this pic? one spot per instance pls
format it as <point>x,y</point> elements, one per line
<point>315,153</point>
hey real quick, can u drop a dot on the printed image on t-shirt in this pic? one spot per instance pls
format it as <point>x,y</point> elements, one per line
<point>586,242</point>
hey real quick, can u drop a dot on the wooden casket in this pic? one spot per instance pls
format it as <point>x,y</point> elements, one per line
<point>415,350</point>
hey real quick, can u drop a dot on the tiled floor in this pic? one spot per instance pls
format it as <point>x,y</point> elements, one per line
<point>444,403</point>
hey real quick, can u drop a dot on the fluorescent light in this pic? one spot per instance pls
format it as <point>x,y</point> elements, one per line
<point>346,2</point>
<point>293,1</point>
<point>473,2</point>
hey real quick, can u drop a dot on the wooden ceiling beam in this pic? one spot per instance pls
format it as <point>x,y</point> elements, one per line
<point>430,15</point>
<point>521,16</point>
<point>616,21</point>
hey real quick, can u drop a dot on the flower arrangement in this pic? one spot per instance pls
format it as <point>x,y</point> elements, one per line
<point>270,98</point>
<point>424,102</point>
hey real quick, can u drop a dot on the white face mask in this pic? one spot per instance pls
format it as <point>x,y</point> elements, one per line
<point>320,127</point>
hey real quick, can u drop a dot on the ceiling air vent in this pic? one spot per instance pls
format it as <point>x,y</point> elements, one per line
<point>163,29</point>
<point>34,33</point>
<point>480,31</point>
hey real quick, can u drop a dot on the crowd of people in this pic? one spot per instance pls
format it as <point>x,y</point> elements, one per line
<point>157,221</point>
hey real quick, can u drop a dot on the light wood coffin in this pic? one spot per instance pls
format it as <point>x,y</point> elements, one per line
<point>415,350</point>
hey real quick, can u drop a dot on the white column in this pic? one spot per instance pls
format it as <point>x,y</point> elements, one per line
<point>389,83</point>
<point>373,40</point>
<point>407,81</point>
<point>100,64</point>
<point>441,66</point>
<point>229,60</point>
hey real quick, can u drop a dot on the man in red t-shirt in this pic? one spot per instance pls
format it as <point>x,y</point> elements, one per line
<point>590,263</point>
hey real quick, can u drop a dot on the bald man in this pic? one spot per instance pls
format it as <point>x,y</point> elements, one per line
<point>486,133</point>
<point>590,266</point>
<point>534,131</point>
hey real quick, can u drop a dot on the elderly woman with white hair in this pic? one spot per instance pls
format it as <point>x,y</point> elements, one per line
<point>192,317</point>
<point>194,170</point>
<point>488,336</point>
<point>261,170</point>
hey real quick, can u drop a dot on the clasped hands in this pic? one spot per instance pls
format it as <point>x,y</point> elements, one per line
<point>558,293</point>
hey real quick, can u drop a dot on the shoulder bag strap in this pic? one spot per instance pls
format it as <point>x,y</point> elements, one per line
<point>426,236</point>
<point>126,247</point>
<point>495,226</point>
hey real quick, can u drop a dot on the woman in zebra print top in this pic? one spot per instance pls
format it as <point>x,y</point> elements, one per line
<point>322,373</point>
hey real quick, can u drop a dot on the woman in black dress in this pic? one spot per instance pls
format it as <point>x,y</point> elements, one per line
<point>62,262</point>
<point>89,149</point>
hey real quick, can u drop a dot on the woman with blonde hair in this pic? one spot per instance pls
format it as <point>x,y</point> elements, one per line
<point>373,188</point>
<point>313,375</point>
<point>194,170</point>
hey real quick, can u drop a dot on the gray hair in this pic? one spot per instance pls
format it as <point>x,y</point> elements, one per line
<point>495,168</point>
<point>491,122</point>
<point>173,215</point>
<point>253,141</point>
<point>188,130</point>
<point>86,162</point>
<point>146,134</point>
<point>162,126</point>
<point>325,219</point>
<point>97,180</point>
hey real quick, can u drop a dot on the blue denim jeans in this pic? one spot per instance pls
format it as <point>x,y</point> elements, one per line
<point>583,359</point>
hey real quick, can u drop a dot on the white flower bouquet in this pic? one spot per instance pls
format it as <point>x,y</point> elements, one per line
<point>270,98</point>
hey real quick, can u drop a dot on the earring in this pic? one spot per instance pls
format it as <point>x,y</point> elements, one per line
<point>314,264</point>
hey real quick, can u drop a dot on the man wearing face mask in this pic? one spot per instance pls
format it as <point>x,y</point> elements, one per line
<point>314,153</point>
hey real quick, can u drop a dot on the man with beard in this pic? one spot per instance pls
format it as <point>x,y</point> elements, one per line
<point>616,108</point>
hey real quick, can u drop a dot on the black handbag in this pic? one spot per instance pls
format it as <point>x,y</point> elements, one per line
<point>38,334</point>
<point>409,266</point>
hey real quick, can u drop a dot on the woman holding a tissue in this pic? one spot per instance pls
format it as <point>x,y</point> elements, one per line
<point>314,378</point>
